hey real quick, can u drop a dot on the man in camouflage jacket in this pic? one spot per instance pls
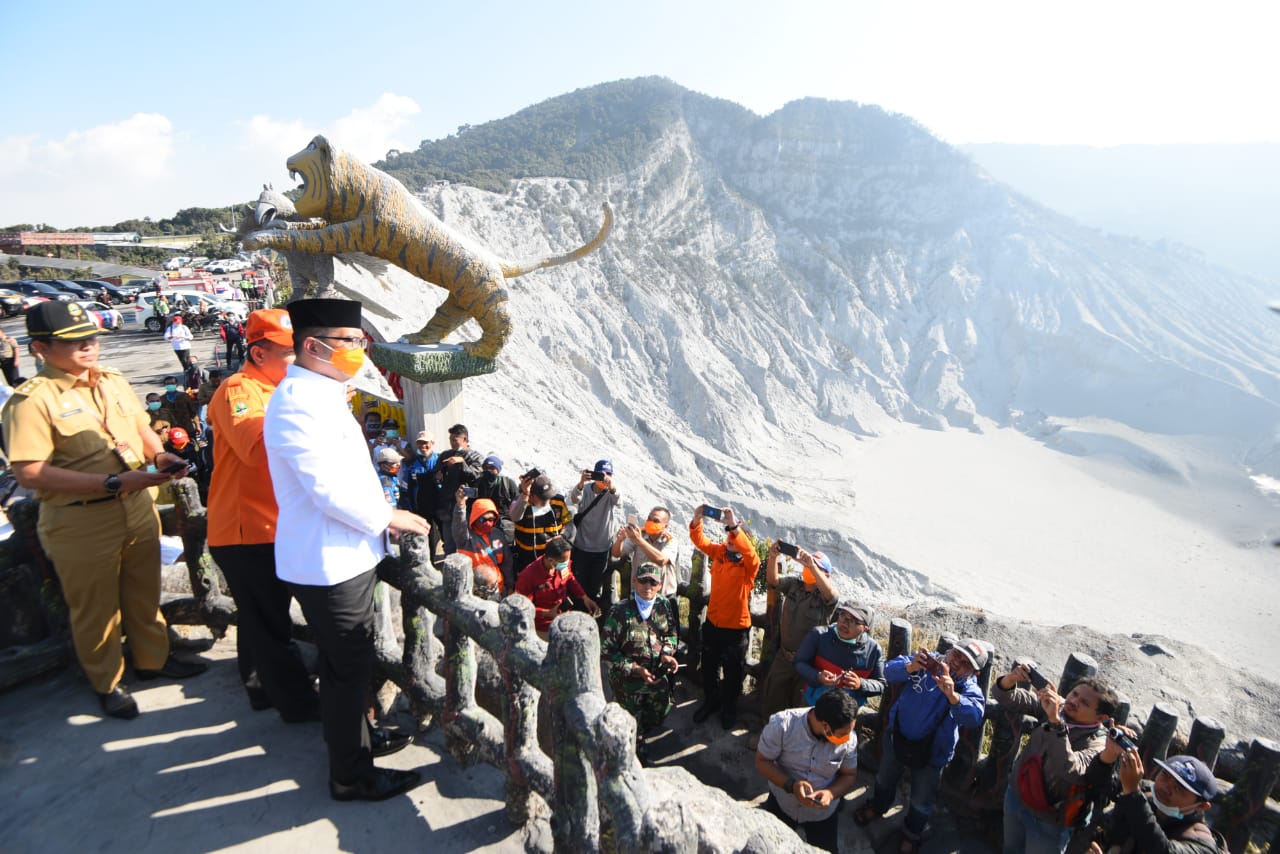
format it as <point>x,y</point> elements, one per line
<point>638,645</point>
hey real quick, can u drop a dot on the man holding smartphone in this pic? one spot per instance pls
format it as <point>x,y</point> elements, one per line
<point>596,498</point>
<point>77,434</point>
<point>806,602</point>
<point>734,564</point>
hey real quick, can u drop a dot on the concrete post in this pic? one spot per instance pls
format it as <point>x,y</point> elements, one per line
<point>1162,723</point>
<point>1205,740</point>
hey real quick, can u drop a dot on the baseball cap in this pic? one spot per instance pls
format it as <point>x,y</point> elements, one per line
<point>823,562</point>
<point>860,612</point>
<point>177,321</point>
<point>649,570</point>
<point>974,650</point>
<point>542,487</point>
<point>178,437</point>
<point>62,321</point>
<point>1192,774</point>
<point>493,460</point>
<point>388,455</point>
<point>604,467</point>
<point>269,324</point>
<point>424,436</point>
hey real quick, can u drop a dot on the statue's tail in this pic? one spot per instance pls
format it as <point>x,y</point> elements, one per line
<point>510,271</point>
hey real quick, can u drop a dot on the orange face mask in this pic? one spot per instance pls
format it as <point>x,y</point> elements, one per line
<point>348,361</point>
<point>807,574</point>
<point>840,739</point>
<point>653,529</point>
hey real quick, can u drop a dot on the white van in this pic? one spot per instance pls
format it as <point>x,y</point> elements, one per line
<point>144,313</point>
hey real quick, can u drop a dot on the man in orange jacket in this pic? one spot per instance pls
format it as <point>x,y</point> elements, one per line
<point>734,564</point>
<point>242,523</point>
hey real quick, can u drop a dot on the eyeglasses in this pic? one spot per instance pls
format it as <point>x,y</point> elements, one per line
<point>846,617</point>
<point>350,342</point>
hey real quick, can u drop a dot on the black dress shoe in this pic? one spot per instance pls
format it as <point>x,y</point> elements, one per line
<point>704,711</point>
<point>119,703</point>
<point>258,699</point>
<point>174,668</point>
<point>728,716</point>
<point>384,742</point>
<point>377,785</point>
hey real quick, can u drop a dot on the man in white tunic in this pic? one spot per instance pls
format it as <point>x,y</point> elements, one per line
<point>331,532</point>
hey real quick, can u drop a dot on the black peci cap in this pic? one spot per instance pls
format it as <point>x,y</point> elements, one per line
<point>63,321</point>
<point>328,313</point>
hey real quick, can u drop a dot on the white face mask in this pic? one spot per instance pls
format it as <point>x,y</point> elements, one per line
<point>1149,787</point>
<point>645,606</point>
<point>541,511</point>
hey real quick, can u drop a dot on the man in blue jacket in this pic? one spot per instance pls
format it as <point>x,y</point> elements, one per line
<point>941,695</point>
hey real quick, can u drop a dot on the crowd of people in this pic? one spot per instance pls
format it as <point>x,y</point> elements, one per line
<point>343,485</point>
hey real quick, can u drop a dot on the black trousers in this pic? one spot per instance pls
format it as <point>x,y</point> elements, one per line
<point>10,368</point>
<point>264,629</point>
<point>341,616</point>
<point>725,648</point>
<point>820,834</point>
<point>590,569</point>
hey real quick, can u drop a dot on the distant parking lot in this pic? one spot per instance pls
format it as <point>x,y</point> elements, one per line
<point>144,357</point>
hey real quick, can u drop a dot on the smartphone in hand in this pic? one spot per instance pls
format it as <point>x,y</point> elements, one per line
<point>709,512</point>
<point>788,549</point>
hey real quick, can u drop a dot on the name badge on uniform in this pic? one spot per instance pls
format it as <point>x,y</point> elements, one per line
<point>69,413</point>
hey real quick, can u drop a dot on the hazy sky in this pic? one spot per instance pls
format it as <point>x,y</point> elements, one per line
<point>128,109</point>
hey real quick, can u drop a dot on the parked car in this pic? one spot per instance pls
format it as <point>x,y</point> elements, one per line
<point>118,293</point>
<point>71,287</point>
<point>199,261</point>
<point>31,287</point>
<point>227,265</point>
<point>176,263</point>
<point>29,301</point>
<point>108,319</point>
<point>11,302</point>
<point>144,307</point>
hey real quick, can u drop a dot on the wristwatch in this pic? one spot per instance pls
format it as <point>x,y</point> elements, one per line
<point>112,484</point>
<point>790,786</point>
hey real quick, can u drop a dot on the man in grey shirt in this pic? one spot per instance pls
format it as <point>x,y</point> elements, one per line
<point>595,497</point>
<point>810,759</point>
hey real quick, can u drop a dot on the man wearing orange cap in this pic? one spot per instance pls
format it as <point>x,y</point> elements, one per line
<point>242,524</point>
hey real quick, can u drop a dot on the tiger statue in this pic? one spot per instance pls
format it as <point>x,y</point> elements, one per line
<point>356,208</point>
<point>309,275</point>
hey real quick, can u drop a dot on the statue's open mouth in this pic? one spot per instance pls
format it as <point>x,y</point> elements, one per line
<point>295,175</point>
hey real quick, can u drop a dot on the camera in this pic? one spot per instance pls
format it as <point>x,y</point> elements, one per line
<point>597,476</point>
<point>531,474</point>
<point>710,512</point>
<point>788,549</point>
<point>1038,679</point>
<point>932,665</point>
<point>1121,738</point>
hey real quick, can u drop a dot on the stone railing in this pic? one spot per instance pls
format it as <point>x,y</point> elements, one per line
<point>592,765</point>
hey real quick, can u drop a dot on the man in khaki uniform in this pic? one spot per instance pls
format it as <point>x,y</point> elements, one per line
<point>78,436</point>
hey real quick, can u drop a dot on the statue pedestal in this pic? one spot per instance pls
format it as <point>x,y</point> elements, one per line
<point>431,378</point>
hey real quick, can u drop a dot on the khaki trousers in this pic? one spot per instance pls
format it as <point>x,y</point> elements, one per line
<point>107,556</point>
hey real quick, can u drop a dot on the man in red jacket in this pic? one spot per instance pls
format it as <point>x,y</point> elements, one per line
<point>734,564</point>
